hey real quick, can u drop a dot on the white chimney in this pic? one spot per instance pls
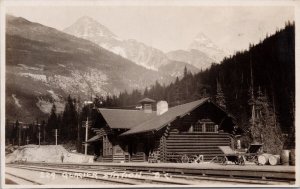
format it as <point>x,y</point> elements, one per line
<point>161,107</point>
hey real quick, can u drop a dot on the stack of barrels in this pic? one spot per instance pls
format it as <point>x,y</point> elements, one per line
<point>287,157</point>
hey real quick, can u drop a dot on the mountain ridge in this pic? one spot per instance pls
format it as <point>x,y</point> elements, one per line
<point>138,52</point>
<point>44,66</point>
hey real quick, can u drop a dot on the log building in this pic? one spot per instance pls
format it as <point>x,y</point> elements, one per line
<point>195,128</point>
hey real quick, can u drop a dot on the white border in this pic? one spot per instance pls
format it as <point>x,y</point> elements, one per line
<point>5,3</point>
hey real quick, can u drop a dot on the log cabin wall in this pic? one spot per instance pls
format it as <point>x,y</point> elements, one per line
<point>197,133</point>
<point>206,144</point>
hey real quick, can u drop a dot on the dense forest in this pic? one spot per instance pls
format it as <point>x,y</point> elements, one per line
<point>272,63</point>
<point>258,82</point>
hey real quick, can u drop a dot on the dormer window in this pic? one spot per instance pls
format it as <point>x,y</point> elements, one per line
<point>204,126</point>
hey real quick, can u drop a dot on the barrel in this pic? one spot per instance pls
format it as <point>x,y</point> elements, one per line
<point>274,159</point>
<point>263,159</point>
<point>292,157</point>
<point>285,157</point>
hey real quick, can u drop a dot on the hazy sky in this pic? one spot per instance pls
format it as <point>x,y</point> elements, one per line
<point>169,27</point>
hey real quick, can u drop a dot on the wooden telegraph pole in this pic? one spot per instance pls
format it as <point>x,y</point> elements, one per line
<point>55,134</point>
<point>87,127</point>
<point>27,140</point>
<point>39,136</point>
<point>86,135</point>
<point>19,133</point>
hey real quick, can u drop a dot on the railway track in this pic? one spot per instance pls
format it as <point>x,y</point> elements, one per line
<point>21,180</point>
<point>123,176</point>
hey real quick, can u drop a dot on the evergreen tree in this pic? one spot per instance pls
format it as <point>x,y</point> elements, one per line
<point>185,72</point>
<point>51,125</point>
<point>220,98</point>
<point>264,128</point>
<point>19,132</point>
<point>69,121</point>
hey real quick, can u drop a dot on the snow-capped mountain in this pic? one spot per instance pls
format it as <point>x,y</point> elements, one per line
<point>86,27</point>
<point>194,57</point>
<point>202,52</point>
<point>141,54</point>
<point>202,43</point>
<point>44,65</point>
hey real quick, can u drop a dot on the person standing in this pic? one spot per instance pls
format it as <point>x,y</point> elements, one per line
<point>62,157</point>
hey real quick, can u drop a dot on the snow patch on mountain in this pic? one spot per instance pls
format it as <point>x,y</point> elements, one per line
<point>16,100</point>
<point>53,95</point>
<point>37,77</point>
<point>202,43</point>
<point>131,49</point>
<point>61,65</point>
<point>25,67</point>
<point>44,105</point>
<point>120,51</point>
<point>78,81</point>
<point>86,27</point>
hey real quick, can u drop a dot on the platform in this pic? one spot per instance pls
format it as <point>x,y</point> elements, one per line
<point>278,172</point>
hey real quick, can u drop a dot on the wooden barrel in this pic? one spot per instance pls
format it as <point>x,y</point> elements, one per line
<point>285,157</point>
<point>292,157</point>
<point>274,159</point>
<point>263,159</point>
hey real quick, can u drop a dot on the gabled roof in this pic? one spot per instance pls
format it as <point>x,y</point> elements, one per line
<point>124,119</point>
<point>157,122</point>
<point>146,100</point>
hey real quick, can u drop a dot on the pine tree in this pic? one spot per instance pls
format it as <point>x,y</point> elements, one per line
<point>220,98</point>
<point>264,128</point>
<point>51,125</point>
<point>69,120</point>
<point>185,72</point>
<point>271,134</point>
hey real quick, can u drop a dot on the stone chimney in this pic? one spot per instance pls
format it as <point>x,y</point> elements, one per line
<point>161,107</point>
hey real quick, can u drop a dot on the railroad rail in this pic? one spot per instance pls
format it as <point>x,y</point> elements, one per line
<point>176,175</point>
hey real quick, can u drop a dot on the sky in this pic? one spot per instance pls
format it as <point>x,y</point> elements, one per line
<point>169,28</point>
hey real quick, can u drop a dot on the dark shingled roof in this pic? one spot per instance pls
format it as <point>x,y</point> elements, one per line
<point>125,119</point>
<point>93,139</point>
<point>146,100</point>
<point>158,122</point>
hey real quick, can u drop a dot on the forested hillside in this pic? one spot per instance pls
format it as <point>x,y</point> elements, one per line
<point>272,62</point>
<point>259,80</point>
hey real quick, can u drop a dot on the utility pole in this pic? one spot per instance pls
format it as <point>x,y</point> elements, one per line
<point>44,132</point>
<point>86,135</point>
<point>78,126</point>
<point>39,136</point>
<point>20,132</point>
<point>87,126</point>
<point>27,140</point>
<point>55,136</point>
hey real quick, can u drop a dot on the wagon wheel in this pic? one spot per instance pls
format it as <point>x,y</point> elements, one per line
<point>192,158</point>
<point>241,160</point>
<point>256,160</point>
<point>184,159</point>
<point>224,160</point>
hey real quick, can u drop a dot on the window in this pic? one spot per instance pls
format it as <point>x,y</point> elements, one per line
<point>210,127</point>
<point>204,126</point>
<point>198,127</point>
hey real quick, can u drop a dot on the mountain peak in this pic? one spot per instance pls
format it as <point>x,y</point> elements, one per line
<point>202,39</point>
<point>86,26</point>
<point>87,20</point>
<point>202,43</point>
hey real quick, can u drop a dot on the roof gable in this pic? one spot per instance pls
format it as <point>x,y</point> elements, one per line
<point>124,119</point>
<point>157,122</point>
<point>146,100</point>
